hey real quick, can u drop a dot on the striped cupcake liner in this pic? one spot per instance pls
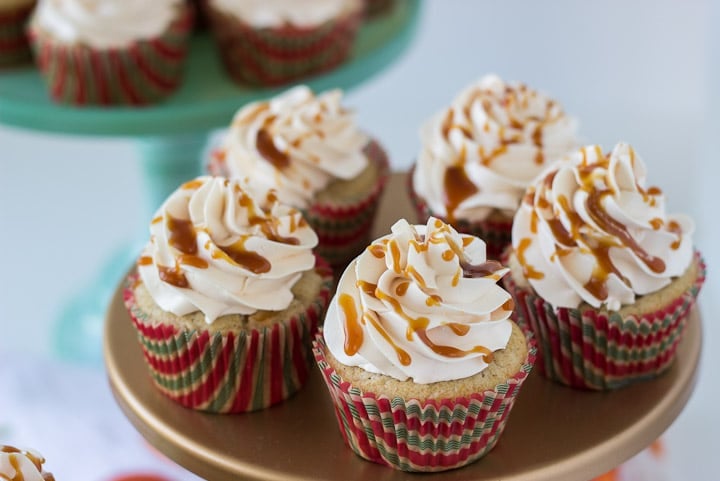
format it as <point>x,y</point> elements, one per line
<point>496,234</point>
<point>14,44</point>
<point>143,73</point>
<point>595,350</point>
<point>412,435</point>
<point>274,56</point>
<point>230,372</point>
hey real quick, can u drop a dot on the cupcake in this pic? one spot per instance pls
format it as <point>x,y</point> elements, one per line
<point>600,273</point>
<point>480,154</point>
<point>310,151</point>
<point>227,296</point>
<point>111,52</point>
<point>14,46</point>
<point>418,352</point>
<point>22,465</point>
<point>273,42</point>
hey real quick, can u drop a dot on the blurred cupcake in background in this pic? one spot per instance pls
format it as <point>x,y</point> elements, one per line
<point>308,148</point>
<point>479,155</point>
<point>600,273</point>
<point>111,52</point>
<point>227,297</point>
<point>22,465</point>
<point>14,45</point>
<point>418,348</point>
<point>273,42</point>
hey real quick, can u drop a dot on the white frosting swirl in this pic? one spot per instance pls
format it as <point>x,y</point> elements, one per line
<point>276,13</point>
<point>220,247</point>
<point>22,464</point>
<point>296,143</point>
<point>487,147</point>
<point>105,23</point>
<point>422,302</point>
<point>589,230</point>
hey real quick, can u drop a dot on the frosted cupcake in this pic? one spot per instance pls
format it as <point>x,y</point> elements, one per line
<point>110,52</point>
<point>418,348</point>
<point>14,46</point>
<point>479,155</point>
<point>22,465</point>
<point>309,149</point>
<point>601,274</point>
<point>272,42</point>
<point>227,296</point>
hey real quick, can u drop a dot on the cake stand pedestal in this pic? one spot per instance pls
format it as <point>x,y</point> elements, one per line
<point>172,135</point>
<point>554,433</point>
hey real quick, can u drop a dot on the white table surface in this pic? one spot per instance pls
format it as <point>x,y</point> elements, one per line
<point>645,72</point>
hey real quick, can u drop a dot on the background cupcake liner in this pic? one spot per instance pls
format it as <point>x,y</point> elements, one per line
<point>344,230</point>
<point>14,44</point>
<point>412,435</point>
<point>591,350</point>
<point>145,72</point>
<point>274,56</point>
<point>230,373</point>
<point>496,234</point>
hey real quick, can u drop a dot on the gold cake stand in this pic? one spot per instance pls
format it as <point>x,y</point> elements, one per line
<point>554,433</point>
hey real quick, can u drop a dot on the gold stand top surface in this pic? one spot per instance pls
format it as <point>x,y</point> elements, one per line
<point>554,432</point>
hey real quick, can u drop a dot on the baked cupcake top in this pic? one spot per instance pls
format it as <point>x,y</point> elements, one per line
<point>25,465</point>
<point>480,154</point>
<point>277,13</point>
<point>590,230</point>
<point>105,24</point>
<point>221,247</point>
<point>421,303</point>
<point>296,143</point>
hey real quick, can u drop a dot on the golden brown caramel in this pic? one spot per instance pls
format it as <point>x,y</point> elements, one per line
<point>353,330</point>
<point>377,250</point>
<point>251,261</point>
<point>268,151</point>
<point>675,228</point>
<point>182,235</point>
<point>480,270</point>
<point>402,355</point>
<point>193,184</point>
<point>401,288</point>
<point>529,271</point>
<point>458,187</point>
<point>459,329</point>
<point>448,255</point>
<point>145,261</point>
<point>173,276</point>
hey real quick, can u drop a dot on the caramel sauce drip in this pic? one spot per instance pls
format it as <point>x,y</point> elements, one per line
<point>613,227</point>
<point>353,330</point>
<point>266,148</point>
<point>14,457</point>
<point>182,235</point>
<point>401,288</point>
<point>193,184</point>
<point>251,261</point>
<point>456,278</point>
<point>597,285</point>
<point>145,261</point>
<point>419,246</point>
<point>156,220</point>
<point>402,355</point>
<point>529,271</point>
<point>656,223</point>
<point>433,300</point>
<point>395,253</point>
<point>654,191</point>
<point>675,228</point>
<point>467,240</point>
<point>458,187</point>
<point>269,226</point>
<point>459,329</point>
<point>377,250</point>
<point>191,260</point>
<point>412,272</point>
<point>487,159</point>
<point>448,255</point>
<point>367,287</point>
<point>480,270</point>
<point>509,305</point>
<point>537,140</point>
<point>533,222</point>
<point>173,276</point>
<point>449,351</point>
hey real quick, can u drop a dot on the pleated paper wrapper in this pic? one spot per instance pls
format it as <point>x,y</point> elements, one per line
<point>230,372</point>
<point>601,350</point>
<point>429,435</point>
<point>144,72</point>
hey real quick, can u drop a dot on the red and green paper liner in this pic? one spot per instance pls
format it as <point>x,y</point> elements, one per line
<point>343,230</point>
<point>14,44</point>
<point>588,349</point>
<point>412,435</point>
<point>279,55</point>
<point>495,233</point>
<point>144,72</point>
<point>230,372</point>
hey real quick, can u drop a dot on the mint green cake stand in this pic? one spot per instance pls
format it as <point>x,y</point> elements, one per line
<point>172,136</point>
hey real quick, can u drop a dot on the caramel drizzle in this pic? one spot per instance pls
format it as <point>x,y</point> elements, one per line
<point>351,325</point>
<point>268,225</point>
<point>145,261</point>
<point>402,355</point>
<point>193,184</point>
<point>480,270</point>
<point>249,260</point>
<point>675,228</point>
<point>458,187</point>
<point>15,463</point>
<point>268,151</point>
<point>182,236</point>
<point>529,271</point>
